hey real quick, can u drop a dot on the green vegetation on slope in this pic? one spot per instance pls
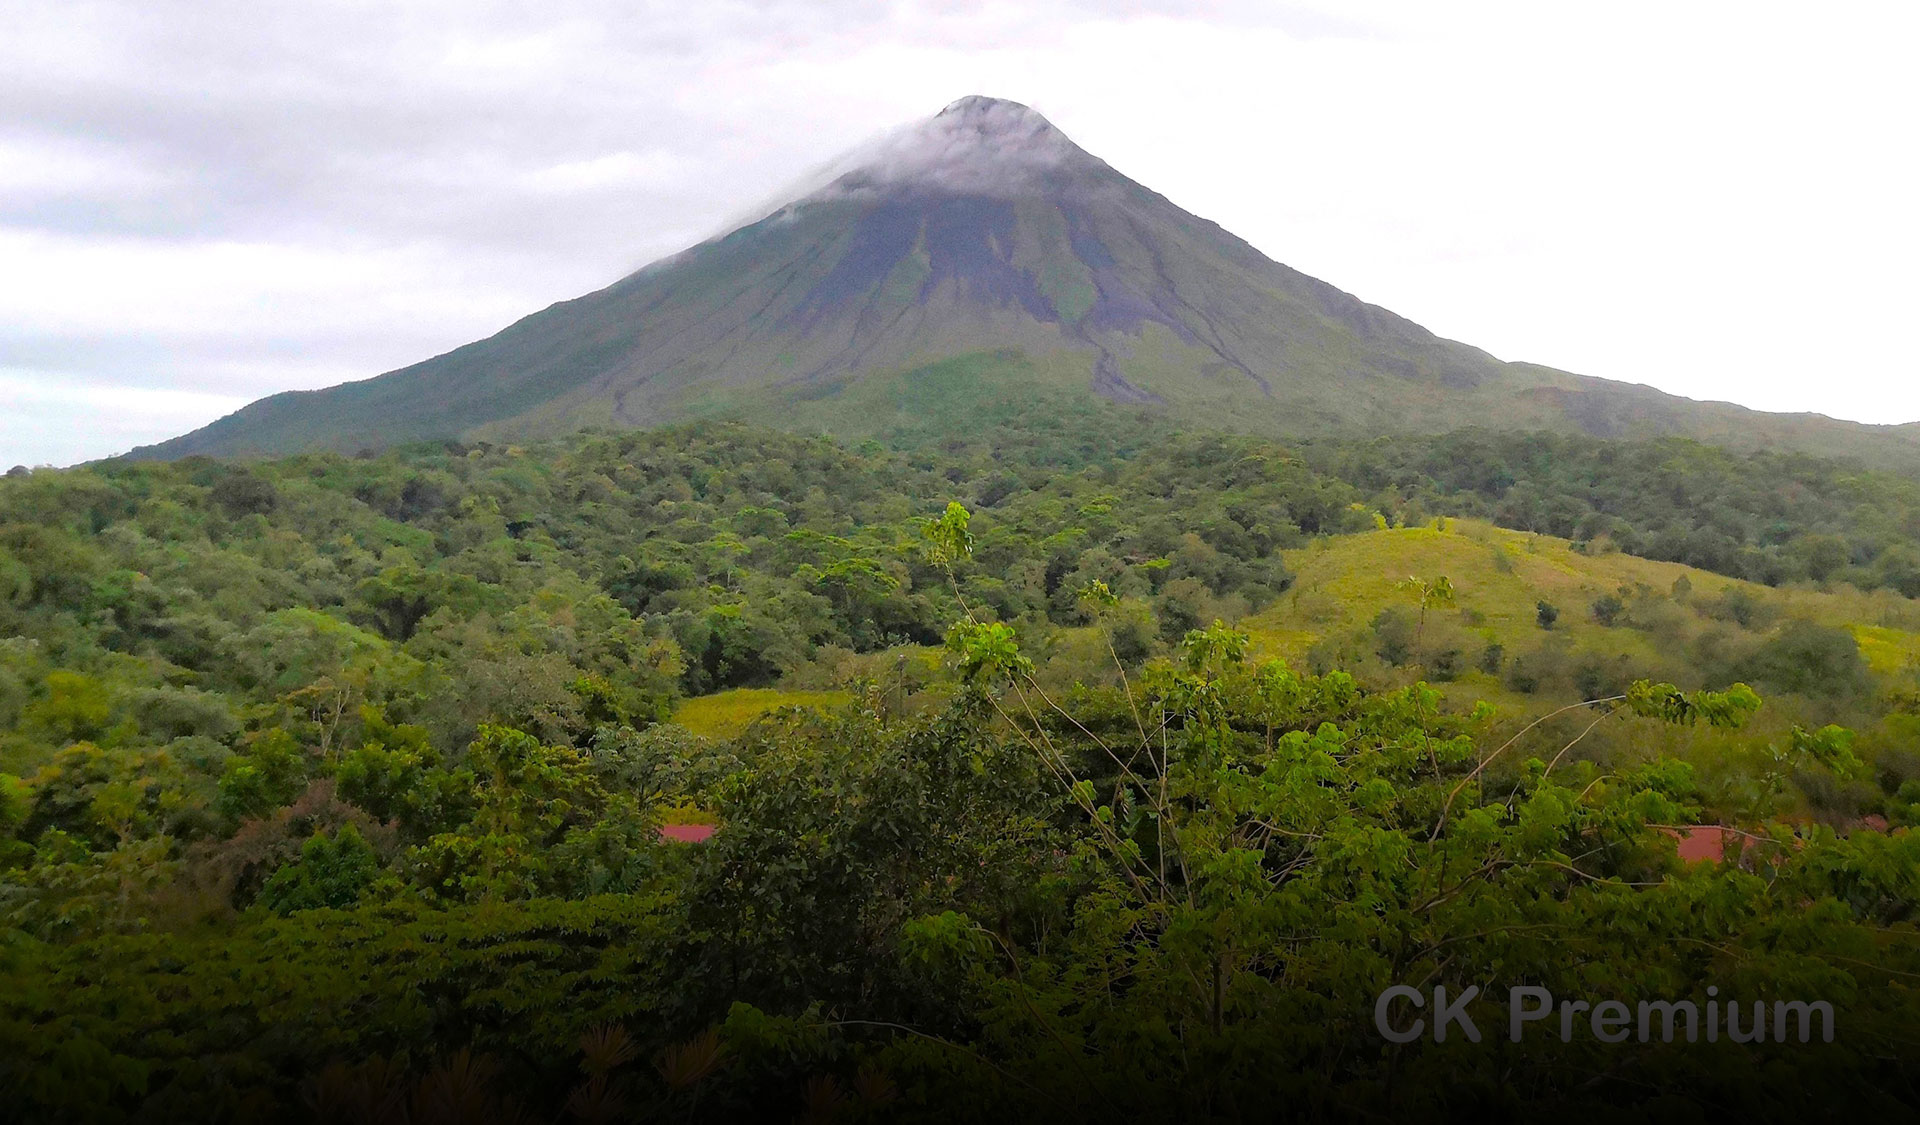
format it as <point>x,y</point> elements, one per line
<point>599,579</point>
<point>1769,517</point>
<point>316,773</point>
<point>1003,909</point>
<point>1611,618</point>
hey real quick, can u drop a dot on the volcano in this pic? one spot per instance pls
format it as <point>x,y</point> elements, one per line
<point>980,256</point>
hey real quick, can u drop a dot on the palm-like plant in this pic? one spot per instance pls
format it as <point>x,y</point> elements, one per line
<point>684,1064</point>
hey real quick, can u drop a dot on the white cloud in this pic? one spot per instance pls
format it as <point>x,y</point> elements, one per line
<point>655,168</point>
<point>45,417</point>
<point>30,172</point>
<point>176,293</point>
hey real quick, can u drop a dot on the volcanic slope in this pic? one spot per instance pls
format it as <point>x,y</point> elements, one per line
<point>974,260</point>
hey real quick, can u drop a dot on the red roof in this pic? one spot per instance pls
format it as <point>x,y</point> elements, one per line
<point>1706,843</point>
<point>1701,844</point>
<point>686,833</point>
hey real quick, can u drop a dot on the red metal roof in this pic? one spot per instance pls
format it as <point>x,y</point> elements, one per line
<point>1706,843</point>
<point>1703,843</point>
<point>686,833</point>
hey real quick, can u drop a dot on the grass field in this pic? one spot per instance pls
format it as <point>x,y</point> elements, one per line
<point>1887,651</point>
<point>725,714</point>
<point>1500,576</point>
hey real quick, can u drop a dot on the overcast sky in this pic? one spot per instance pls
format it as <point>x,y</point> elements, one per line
<point>205,202</point>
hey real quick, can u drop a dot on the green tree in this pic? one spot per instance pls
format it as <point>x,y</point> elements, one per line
<point>74,707</point>
<point>384,773</point>
<point>1809,659</point>
<point>1822,556</point>
<point>400,597</point>
<point>1430,593</point>
<point>266,774</point>
<point>332,872</point>
<point>1396,633</point>
<point>526,797</point>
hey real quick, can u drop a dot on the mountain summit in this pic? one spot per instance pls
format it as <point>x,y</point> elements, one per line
<point>976,146</point>
<point>976,257</point>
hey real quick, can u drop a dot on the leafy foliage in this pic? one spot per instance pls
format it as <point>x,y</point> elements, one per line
<point>338,782</point>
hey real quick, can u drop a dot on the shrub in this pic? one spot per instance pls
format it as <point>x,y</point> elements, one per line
<point>1393,631</point>
<point>1818,661</point>
<point>331,872</point>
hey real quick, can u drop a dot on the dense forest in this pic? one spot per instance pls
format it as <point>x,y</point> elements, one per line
<point>335,784</point>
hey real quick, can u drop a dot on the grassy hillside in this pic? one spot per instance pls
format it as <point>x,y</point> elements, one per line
<point>726,714</point>
<point>1342,583</point>
<point>1815,655</point>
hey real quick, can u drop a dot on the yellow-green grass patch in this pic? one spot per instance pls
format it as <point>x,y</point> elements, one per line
<point>727,713</point>
<point>1887,651</point>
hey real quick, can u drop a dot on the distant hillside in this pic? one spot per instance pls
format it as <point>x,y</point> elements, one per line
<point>975,262</point>
<point>1613,616</point>
<point>1815,656</point>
